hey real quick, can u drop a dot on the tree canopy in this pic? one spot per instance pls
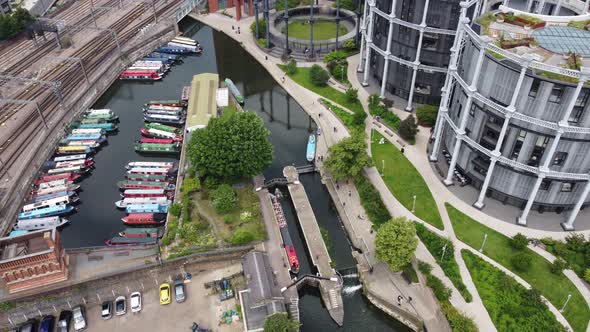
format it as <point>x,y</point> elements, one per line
<point>14,23</point>
<point>280,322</point>
<point>348,157</point>
<point>396,242</point>
<point>231,147</point>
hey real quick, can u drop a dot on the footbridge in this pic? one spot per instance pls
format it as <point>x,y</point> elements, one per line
<point>328,281</point>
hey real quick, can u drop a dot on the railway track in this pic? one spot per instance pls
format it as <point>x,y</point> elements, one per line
<point>70,78</point>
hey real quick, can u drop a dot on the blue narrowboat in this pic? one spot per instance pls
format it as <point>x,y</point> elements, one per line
<point>83,137</point>
<point>56,210</point>
<point>311,144</point>
<point>174,50</point>
<point>146,208</point>
<point>168,56</point>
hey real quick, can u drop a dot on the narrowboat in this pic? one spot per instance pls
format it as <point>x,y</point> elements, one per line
<point>145,219</point>
<point>17,233</point>
<point>311,144</point>
<point>39,223</point>
<point>52,190</point>
<point>121,204</point>
<point>165,61</point>
<point>157,164</point>
<point>84,137</point>
<point>163,118</point>
<point>71,158</point>
<point>169,56</point>
<point>53,184</point>
<point>78,149</point>
<point>140,75</point>
<point>68,193</point>
<point>127,184</point>
<point>184,41</point>
<point>157,133</point>
<point>133,193</point>
<point>234,90</point>
<point>191,48</point>
<point>95,123</point>
<point>56,210</point>
<point>173,50</point>
<point>174,103</point>
<point>150,111</point>
<point>61,200</point>
<point>152,170</point>
<point>162,127</point>
<point>100,131</point>
<point>288,242</point>
<point>131,241</point>
<point>157,148</point>
<point>73,169</point>
<point>142,232</point>
<point>48,178</point>
<point>153,107</point>
<point>98,116</point>
<point>89,143</point>
<point>155,140</point>
<point>69,163</point>
<point>149,177</point>
<point>146,208</point>
<point>99,112</point>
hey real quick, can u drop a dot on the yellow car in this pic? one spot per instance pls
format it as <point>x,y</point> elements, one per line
<point>165,293</point>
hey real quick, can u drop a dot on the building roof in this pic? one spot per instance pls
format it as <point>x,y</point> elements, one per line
<point>26,245</point>
<point>263,297</point>
<point>202,104</point>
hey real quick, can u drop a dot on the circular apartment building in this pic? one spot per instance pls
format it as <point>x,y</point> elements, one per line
<point>405,47</point>
<point>514,118</point>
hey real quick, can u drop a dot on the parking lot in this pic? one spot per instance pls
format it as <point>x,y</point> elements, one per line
<point>199,307</point>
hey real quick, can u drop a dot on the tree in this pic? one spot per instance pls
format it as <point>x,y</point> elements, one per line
<point>231,147</point>
<point>587,275</point>
<point>349,45</point>
<point>175,209</point>
<point>352,94</point>
<point>396,242</point>
<point>291,67</point>
<point>223,198</point>
<point>521,261</point>
<point>519,241</point>
<point>318,75</point>
<point>408,128</point>
<point>358,118</point>
<point>261,28</point>
<point>558,265</point>
<point>280,322</point>
<point>14,23</point>
<point>426,115</point>
<point>348,157</point>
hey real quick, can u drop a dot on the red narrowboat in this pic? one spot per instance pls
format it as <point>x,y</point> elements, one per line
<point>48,178</point>
<point>156,140</point>
<point>145,219</point>
<point>149,75</point>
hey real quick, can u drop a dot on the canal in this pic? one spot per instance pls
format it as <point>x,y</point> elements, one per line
<point>97,218</point>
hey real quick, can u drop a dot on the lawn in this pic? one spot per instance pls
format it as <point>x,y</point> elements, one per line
<point>555,287</point>
<point>404,181</point>
<point>511,306</point>
<point>242,224</point>
<point>302,78</point>
<point>322,30</point>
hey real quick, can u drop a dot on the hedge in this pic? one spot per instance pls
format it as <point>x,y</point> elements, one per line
<point>372,202</point>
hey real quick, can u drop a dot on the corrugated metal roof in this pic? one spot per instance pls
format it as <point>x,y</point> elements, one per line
<point>202,104</point>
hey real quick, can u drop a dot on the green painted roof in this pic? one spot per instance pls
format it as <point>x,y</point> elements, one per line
<point>202,103</point>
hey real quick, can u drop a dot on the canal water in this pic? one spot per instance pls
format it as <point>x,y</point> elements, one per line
<point>289,126</point>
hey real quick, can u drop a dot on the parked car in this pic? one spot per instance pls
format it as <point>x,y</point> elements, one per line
<point>63,322</point>
<point>165,293</point>
<point>47,324</point>
<point>120,305</point>
<point>107,310</point>
<point>29,326</point>
<point>179,291</point>
<point>79,314</point>
<point>135,300</point>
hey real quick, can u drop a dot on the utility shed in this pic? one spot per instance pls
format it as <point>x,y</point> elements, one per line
<point>202,103</point>
<point>263,297</point>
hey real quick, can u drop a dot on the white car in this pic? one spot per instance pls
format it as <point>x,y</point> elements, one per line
<point>79,318</point>
<point>135,300</point>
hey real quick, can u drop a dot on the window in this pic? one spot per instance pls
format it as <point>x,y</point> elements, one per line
<point>474,107</point>
<point>538,150</point>
<point>518,145</point>
<point>556,94</point>
<point>459,111</point>
<point>545,185</point>
<point>567,186</point>
<point>534,88</point>
<point>579,106</point>
<point>560,158</point>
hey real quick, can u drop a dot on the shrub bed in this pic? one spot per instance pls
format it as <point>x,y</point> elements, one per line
<point>435,245</point>
<point>372,202</point>
<point>511,306</point>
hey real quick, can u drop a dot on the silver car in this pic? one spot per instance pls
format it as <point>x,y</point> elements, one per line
<point>79,318</point>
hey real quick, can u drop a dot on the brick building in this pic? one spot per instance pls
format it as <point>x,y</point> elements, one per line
<point>245,6</point>
<point>32,260</point>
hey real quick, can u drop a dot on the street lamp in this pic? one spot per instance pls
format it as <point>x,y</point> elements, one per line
<point>382,166</point>
<point>414,204</point>
<point>569,296</point>
<point>485,237</point>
